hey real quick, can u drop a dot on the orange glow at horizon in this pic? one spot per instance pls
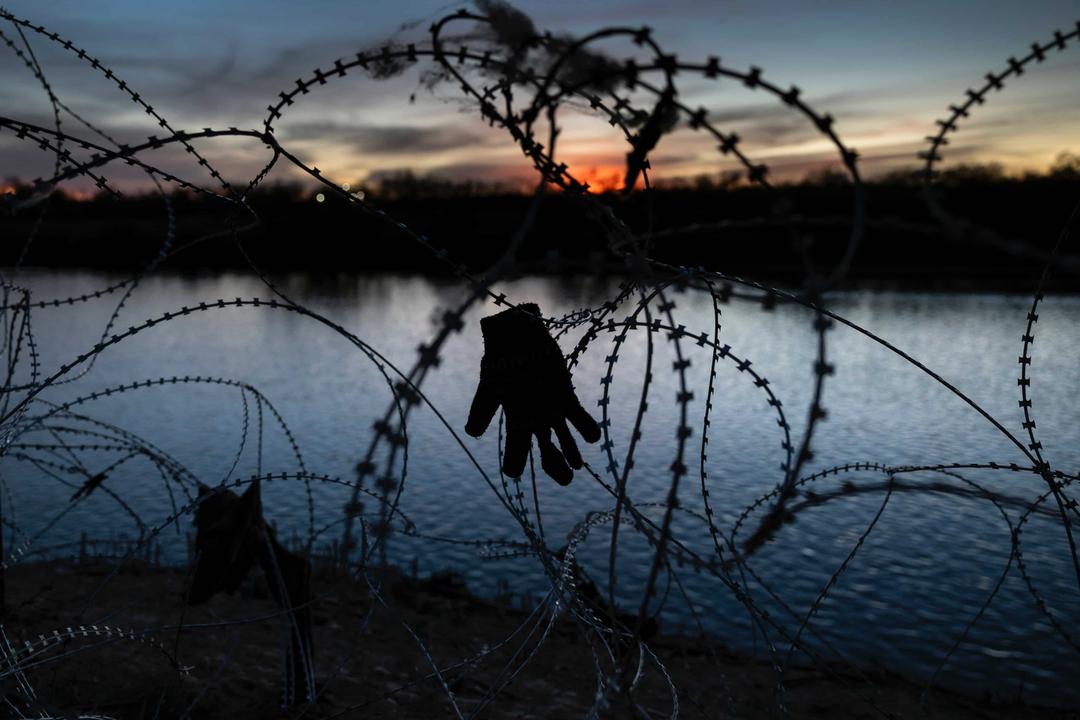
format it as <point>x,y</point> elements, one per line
<point>79,194</point>
<point>601,178</point>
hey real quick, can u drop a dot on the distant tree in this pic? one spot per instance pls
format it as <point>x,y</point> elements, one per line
<point>678,182</point>
<point>900,176</point>
<point>728,179</point>
<point>1066,167</point>
<point>704,182</point>
<point>828,176</point>
<point>280,192</point>
<point>973,173</point>
<point>405,184</point>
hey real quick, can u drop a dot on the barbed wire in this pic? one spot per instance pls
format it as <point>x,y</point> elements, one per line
<point>65,436</point>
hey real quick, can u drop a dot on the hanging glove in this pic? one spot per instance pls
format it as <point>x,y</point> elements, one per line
<point>524,371</point>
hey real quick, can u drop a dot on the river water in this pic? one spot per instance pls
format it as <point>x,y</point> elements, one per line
<point>919,578</point>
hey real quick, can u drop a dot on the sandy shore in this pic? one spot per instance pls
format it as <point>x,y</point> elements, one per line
<point>369,665</point>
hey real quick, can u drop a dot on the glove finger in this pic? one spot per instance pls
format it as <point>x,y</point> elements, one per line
<point>568,444</point>
<point>552,460</point>
<point>518,442</point>
<point>583,421</point>
<point>484,404</point>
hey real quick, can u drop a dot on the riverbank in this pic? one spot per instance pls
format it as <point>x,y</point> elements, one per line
<point>369,665</point>
<point>746,231</point>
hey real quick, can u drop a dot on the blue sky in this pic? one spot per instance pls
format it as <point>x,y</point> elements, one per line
<point>885,70</point>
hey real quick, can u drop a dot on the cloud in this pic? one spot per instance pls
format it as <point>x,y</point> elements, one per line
<point>483,172</point>
<point>387,139</point>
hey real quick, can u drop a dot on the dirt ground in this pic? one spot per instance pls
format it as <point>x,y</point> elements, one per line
<point>369,665</point>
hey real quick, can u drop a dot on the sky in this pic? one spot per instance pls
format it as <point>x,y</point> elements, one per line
<point>885,70</point>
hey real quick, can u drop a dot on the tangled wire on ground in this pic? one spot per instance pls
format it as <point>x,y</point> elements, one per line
<point>518,80</point>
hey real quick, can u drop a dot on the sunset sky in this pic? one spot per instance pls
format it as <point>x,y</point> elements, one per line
<point>884,69</point>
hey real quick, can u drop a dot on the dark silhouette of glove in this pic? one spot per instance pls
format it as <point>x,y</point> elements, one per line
<point>524,371</point>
